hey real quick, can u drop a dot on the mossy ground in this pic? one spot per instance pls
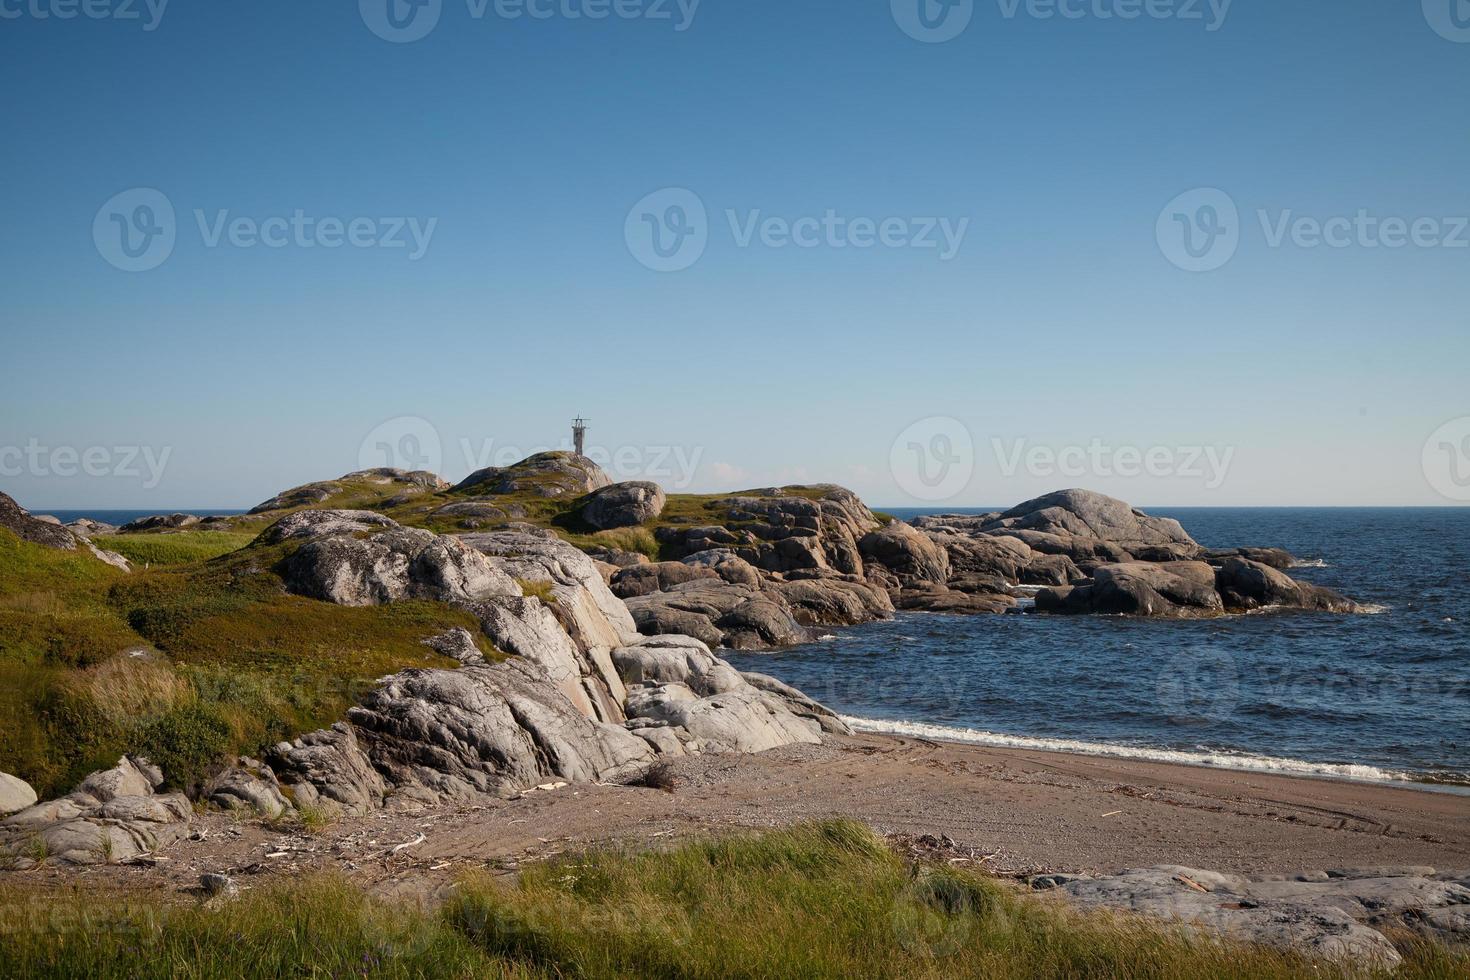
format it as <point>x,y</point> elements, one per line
<point>827,900</point>
<point>187,663</point>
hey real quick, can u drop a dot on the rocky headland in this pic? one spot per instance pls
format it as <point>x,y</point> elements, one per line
<point>589,619</point>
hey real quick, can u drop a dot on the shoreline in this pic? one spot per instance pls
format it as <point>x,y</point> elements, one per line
<point>1001,741</point>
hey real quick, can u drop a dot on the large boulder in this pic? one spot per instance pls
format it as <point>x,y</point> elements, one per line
<point>1247,585</point>
<point>623,505</point>
<point>554,474</point>
<point>907,552</point>
<point>15,794</point>
<point>1087,514</point>
<point>394,564</point>
<point>677,683</point>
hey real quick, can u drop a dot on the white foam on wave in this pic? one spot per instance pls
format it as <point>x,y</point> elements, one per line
<point>1309,563</point>
<point>1213,759</point>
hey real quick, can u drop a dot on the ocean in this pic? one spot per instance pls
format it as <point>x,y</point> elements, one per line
<point>1381,697</point>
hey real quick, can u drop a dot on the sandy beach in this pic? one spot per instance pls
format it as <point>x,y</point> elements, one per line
<point>1011,812</point>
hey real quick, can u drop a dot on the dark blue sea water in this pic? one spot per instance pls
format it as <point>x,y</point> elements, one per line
<point>1384,696</point>
<point>121,517</point>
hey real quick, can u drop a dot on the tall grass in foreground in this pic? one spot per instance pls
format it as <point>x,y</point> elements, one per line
<point>820,901</point>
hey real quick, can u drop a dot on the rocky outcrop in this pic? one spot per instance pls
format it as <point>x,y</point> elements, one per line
<point>781,529</point>
<point>113,815</point>
<point>561,707</point>
<point>18,521</point>
<point>394,564</point>
<point>1096,555</point>
<point>386,481</point>
<point>676,684</point>
<point>555,474</point>
<point>623,505</point>
<point>50,533</point>
<point>455,734</point>
<point>1334,915</point>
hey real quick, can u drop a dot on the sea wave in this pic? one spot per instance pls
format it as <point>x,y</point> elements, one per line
<point>1204,757</point>
<point>1309,563</point>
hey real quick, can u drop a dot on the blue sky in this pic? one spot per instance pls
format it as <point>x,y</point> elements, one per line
<point>1061,324</point>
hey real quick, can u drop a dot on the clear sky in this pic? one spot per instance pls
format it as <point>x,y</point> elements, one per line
<point>1059,316</point>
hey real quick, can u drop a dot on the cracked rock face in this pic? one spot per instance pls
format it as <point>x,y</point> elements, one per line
<point>1332,915</point>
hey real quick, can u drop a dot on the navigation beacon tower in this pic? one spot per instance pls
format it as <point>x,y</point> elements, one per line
<point>579,435</point>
